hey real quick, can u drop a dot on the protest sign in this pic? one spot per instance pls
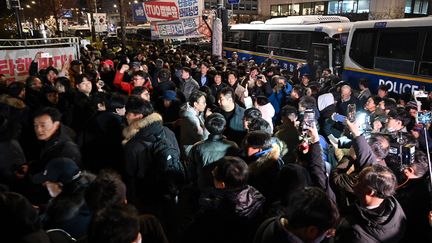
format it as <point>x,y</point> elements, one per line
<point>185,28</point>
<point>170,10</point>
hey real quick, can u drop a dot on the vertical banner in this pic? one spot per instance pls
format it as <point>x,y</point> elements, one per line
<point>138,12</point>
<point>217,38</point>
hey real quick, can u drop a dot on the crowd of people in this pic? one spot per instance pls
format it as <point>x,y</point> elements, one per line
<point>167,144</point>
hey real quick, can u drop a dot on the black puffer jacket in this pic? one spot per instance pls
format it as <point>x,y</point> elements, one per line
<point>60,145</point>
<point>142,175</point>
<point>227,215</point>
<point>387,223</point>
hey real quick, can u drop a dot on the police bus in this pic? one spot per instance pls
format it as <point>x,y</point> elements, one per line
<point>315,41</point>
<point>136,35</point>
<point>397,53</point>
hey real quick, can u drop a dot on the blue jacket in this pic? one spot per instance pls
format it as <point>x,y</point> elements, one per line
<point>278,100</point>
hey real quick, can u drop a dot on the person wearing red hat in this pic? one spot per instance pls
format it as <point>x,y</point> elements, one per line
<point>107,72</point>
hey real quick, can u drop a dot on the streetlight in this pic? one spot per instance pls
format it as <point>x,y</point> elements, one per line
<point>33,2</point>
<point>27,6</point>
<point>115,5</point>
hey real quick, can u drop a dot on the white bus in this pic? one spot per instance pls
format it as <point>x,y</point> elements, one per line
<point>316,41</point>
<point>397,53</point>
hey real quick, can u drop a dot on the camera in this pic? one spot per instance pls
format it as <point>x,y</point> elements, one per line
<point>404,152</point>
<point>400,148</point>
<point>260,76</point>
<point>424,117</point>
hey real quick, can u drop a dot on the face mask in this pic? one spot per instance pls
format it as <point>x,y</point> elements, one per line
<point>391,129</point>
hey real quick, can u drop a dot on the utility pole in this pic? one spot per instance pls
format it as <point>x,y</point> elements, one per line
<point>91,5</point>
<point>122,24</point>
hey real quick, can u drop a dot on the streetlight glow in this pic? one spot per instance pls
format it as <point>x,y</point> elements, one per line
<point>115,5</point>
<point>27,6</point>
<point>33,2</point>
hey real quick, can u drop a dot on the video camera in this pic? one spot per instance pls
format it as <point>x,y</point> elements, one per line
<point>423,117</point>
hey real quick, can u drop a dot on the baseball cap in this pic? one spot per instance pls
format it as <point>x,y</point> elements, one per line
<point>108,62</point>
<point>169,95</point>
<point>62,170</point>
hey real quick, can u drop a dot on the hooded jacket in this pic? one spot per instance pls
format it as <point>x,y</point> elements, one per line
<point>140,171</point>
<point>387,224</point>
<point>264,168</point>
<point>227,215</point>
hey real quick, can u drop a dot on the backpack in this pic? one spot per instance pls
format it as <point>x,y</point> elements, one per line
<point>169,171</point>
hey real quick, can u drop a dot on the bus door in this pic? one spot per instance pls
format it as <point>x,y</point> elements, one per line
<point>321,57</point>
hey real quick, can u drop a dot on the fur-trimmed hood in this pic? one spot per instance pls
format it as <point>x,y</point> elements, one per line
<point>264,160</point>
<point>130,131</point>
<point>11,101</point>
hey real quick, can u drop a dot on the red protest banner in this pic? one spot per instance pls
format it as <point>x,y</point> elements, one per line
<point>161,11</point>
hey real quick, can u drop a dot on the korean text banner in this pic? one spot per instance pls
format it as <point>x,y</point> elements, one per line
<point>192,27</point>
<point>15,64</point>
<point>138,12</point>
<point>169,10</point>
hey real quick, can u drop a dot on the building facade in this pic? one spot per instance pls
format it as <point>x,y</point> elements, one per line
<point>244,12</point>
<point>355,9</point>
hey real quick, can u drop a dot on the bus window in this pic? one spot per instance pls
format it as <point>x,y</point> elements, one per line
<point>425,67</point>
<point>295,44</point>
<point>397,56</point>
<point>274,43</point>
<point>363,46</point>
<point>320,57</point>
<point>262,42</point>
<point>246,41</point>
<point>232,39</point>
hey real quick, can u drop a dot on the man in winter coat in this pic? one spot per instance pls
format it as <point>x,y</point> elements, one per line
<point>206,152</point>
<point>54,138</point>
<point>231,212</point>
<point>309,216</point>
<point>376,216</point>
<point>192,128</point>
<point>189,85</point>
<point>233,114</point>
<point>153,171</point>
